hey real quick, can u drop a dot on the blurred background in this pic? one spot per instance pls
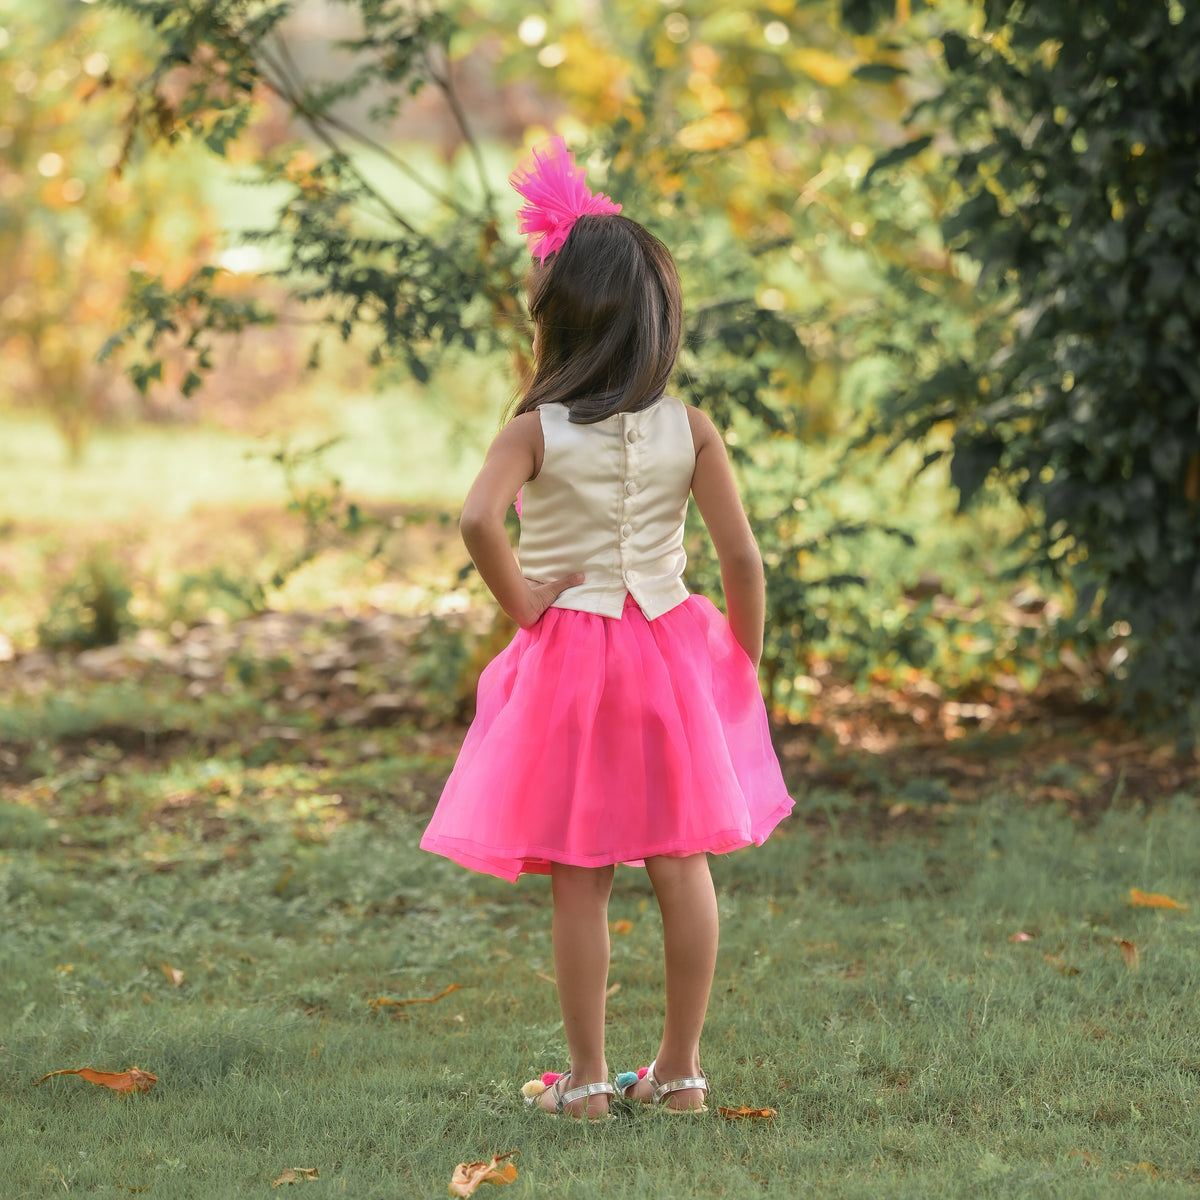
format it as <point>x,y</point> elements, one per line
<point>261,312</point>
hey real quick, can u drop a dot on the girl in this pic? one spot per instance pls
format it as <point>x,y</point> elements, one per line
<point>623,723</point>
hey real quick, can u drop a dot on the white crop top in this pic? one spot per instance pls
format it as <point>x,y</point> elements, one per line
<point>610,501</point>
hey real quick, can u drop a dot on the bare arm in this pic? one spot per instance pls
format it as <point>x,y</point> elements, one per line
<point>512,459</point>
<point>720,506</point>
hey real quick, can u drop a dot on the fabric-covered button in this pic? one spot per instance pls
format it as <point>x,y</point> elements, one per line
<point>632,576</point>
<point>631,488</point>
<point>626,530</point>
<point>632,436</point>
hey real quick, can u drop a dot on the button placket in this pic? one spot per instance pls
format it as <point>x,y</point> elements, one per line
<point>629,464</point>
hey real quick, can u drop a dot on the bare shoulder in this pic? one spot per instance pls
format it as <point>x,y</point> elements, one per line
<point>524,434</point>
<point>702,427</point>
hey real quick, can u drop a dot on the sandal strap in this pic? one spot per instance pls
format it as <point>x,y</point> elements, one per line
<point>562,1099</point>
<point>662,1090</point>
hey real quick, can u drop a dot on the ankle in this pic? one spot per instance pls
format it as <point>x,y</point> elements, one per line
<point>670,1065</point>
<point>588,1072</point>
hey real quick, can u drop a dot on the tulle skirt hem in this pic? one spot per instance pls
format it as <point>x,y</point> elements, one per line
<point>510,862</point>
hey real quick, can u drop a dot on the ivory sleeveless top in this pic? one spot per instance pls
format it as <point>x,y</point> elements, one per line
<point>610,501</point>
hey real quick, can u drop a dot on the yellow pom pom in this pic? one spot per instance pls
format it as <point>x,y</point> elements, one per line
<point>533,1089</point>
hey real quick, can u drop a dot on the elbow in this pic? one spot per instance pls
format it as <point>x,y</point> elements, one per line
<point>473,525</point>
<point>744,564</point>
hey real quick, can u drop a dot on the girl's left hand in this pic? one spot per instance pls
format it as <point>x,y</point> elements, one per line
<point>542,596</point>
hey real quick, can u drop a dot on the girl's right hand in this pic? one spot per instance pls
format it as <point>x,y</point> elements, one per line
<point>542,596</point>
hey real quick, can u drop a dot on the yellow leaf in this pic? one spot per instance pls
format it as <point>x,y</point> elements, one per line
<point>295,1175</point>
<point>748,1114</point>
<point>1129,952</point>
<point>468,1176</point>
<point>620,926</point>
<point>174,974</point>
<point>822,66</point>
<point>384,1002</point>
<point>716,132</point>
<point>132,1080</point>
<point>1140,899</point>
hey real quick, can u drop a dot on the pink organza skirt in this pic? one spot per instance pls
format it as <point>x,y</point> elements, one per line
<point>600,741</point>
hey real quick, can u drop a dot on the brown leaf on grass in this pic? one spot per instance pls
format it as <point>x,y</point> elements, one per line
<point>1021,936</point>
<point>384,1002</point>
<point>132,1080</point>
<point>468,1176</point>
<point>295,1175</point>
<point>174,974</point>
<point>748,1114</point>
<point>622,926</point>
<point>1129,952</point>
<point>1140,899</point>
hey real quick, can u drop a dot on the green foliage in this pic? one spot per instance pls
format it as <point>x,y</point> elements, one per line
<point>91,609</point>
<point>417,283</point>
<point>1075,153</point>
<point>71,222</point>
<point>813,302</point>
<point>192,308</point>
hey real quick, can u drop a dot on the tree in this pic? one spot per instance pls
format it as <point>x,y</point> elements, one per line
<point>69,225</point>
<point>1074,143</point>
<point>740,136</point>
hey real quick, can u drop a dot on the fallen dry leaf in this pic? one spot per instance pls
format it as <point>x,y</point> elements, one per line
<point>132,1080</point>
<point>1129,952</point>
<point>384,1002</point>
<point>1021,936</point>
<point>748,1114</point>
<point>1140,899</point>
<point>174,974</point>
<point>295,1175</point>
<point>468,1176</point>
<point>621,926</point>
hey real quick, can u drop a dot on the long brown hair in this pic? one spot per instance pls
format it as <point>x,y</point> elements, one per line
<point>608,313</point>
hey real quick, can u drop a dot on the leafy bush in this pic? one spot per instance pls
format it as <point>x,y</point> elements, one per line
<point>91,609</point>
<point>1075,154</point>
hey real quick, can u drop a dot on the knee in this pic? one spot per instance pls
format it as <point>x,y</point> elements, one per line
<point>581,887</point>
<point>674,875</point>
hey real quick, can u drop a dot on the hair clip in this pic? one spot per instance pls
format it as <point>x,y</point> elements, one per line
<point>556,197</point>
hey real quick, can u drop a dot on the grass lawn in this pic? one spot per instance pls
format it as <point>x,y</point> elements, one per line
<point>868,988</point>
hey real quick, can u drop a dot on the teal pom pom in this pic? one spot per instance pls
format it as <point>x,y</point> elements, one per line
<point>626,1079</point>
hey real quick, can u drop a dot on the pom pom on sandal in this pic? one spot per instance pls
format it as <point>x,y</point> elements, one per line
<point>535,1087</point>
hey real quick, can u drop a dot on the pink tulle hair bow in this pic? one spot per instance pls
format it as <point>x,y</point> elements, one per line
<point>556,196</point>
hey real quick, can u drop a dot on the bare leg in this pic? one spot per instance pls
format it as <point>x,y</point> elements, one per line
<point>581,953</point>
<point>690,928</point>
